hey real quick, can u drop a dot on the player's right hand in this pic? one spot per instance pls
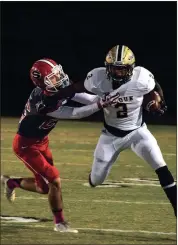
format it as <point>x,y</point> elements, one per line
<point>162,109</point>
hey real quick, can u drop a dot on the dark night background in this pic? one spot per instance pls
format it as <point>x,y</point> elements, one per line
<point>78,36</point>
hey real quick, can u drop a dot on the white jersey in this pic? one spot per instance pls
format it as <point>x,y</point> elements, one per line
<point>127,115</point>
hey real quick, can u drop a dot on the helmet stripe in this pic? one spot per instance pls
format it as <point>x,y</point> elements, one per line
<point>48,62</point>
<point>117,49</point>
<point>119,52</point>
<point>122,53</point>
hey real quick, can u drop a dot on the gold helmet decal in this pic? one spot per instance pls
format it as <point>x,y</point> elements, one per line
<point>111,56</point>
<point>120,54</point>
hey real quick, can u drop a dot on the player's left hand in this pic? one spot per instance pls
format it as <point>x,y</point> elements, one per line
<point>108,100</point>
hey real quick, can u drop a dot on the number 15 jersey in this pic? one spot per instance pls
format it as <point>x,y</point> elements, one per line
<point>127,113</point>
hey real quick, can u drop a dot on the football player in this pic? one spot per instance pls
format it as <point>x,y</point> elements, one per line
<point>41,113</point>
<point>124,127</point>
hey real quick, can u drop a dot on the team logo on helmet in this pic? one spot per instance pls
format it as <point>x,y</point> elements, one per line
<point>36,74</point>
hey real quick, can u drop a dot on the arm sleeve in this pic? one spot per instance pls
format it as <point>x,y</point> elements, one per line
<point>85,98</point>
<point>159,90</point>
<point>65,112</point>
<point>146,85</point>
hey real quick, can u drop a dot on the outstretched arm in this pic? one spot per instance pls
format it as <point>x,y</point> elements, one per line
<point>85,98</point>
<point>65,112</point>
<point>70,90</point>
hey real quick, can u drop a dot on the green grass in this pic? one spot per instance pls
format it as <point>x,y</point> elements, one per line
<point>126,208</point>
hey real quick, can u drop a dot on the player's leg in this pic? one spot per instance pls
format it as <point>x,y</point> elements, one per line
<point>28,184</point>
<point>36,184</point>
<point>145,146</point>
<point>104,156</point>
<point>26,152</point>
<point>55,194</point>
<point>48,181</point>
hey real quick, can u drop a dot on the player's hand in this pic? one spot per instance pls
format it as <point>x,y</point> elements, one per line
<point>103,103</point>
<point>108,100</point>
<point>162,109</point>
<point>163,105</point>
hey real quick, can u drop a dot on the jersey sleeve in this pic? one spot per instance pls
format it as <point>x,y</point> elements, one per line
<point>89,82</point>
<point>65,112</point>
<point>85,98</point>
<point>145,81</point>
<point>93,80</point>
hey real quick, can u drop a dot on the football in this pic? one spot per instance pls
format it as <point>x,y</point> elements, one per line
<point>151,101</point>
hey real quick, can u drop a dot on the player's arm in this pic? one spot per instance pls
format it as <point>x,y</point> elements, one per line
<point>67,92</point>
<point>47,104</point>
<point>87,86</point>
<point>85,98</point>
<point>65,112</point>
<point>70,90</point>
<point>154,100</point>
<point>159,90</point>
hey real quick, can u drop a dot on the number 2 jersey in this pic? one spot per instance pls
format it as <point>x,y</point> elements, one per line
<point>41,112</point>
<point>127,113</point>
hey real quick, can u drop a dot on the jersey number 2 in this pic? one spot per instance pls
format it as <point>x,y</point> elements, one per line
<point>122,110</point>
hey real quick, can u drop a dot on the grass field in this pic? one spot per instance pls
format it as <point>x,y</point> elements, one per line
<point>125,211</point>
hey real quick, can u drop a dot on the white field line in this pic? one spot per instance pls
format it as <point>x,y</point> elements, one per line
<point>121,184</point>
<point>108,230</point>
<point>128,231</point>
<point>19,219</point>
<point>99,201</point>
<point>83,150</point>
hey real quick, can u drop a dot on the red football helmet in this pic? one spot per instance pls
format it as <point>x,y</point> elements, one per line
<point>48,75</point>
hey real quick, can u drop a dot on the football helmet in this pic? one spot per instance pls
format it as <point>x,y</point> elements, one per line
<point>119,62</point>
<point>48,75</point>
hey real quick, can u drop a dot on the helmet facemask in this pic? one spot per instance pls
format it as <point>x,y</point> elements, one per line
<point>56,80</point>
<point>120,74</point>
<point>119,62</point>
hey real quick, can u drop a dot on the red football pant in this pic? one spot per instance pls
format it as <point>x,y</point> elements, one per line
<point>36,155</point>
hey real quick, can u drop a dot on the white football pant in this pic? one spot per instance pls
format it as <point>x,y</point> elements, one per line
<point>141,141</point>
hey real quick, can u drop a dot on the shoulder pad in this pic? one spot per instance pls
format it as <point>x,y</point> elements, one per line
<point>94,78</point>
<point>144,79</point>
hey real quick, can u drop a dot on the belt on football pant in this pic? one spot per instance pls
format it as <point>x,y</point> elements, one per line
<point>118,132</point>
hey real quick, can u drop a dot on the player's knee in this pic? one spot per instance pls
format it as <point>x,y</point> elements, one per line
<point>95,179</point>
<point>52,174</point>
<point>90,182</point>
<point>45,189</point>
<point>165,176</point>
<point>41,186</point>
<point>56,183</point>
<point>42,190</point>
